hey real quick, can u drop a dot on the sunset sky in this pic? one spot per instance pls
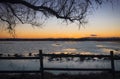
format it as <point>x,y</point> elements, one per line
<point>103,22</point>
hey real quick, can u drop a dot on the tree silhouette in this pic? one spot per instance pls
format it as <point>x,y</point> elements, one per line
<point>32,11</point>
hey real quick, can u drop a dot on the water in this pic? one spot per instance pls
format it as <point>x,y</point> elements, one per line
<point>67,47</point>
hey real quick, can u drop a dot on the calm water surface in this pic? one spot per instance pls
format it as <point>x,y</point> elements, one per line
<point>57,47</point>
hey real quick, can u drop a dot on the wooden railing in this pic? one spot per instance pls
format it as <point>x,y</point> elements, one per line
<point>42,68</point>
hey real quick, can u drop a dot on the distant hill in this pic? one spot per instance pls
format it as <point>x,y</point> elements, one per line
<point>63,39</point>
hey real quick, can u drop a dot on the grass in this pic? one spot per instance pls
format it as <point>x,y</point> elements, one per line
<point>60,76</point>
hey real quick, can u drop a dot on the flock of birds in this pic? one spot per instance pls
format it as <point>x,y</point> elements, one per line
<point>61,59</point>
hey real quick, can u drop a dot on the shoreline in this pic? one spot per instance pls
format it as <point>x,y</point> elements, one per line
<point>62,39</point>
<point>105,75</point>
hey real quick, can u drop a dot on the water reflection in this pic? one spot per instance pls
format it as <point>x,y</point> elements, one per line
<point>69,49</point>
<point>32,49</point>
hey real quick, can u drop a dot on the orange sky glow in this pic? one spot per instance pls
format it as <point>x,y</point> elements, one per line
<point>104,22</point>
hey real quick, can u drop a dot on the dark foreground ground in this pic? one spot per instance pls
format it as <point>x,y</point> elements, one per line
<point>60,76</point>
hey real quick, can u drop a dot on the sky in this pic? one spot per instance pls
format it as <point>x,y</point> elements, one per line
<point>102,22</point>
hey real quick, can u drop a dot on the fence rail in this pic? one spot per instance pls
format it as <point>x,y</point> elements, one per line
<point>112,57</point>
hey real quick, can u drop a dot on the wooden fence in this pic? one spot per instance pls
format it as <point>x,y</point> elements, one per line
<point>112,57</point>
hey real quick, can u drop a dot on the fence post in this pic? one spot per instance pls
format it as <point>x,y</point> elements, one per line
<point>112,64</point>
<point>41,64</point>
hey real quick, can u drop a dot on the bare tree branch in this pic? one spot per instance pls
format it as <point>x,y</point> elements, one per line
<point>30,11</point>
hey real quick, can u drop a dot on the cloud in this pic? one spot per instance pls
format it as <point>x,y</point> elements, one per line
<point>93,35</point>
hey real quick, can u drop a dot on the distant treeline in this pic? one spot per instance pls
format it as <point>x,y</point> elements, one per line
<point>63,39</point>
